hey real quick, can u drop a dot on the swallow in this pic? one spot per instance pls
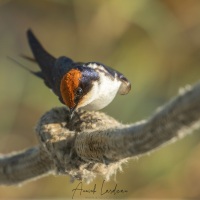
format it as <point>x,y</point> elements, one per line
<point>90,86</point>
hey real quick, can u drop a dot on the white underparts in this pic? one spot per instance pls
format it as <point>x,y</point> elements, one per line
<point>102,93</point>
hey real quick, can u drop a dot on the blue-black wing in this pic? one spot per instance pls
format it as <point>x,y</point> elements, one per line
<point>45,61</point>
<point>52,69</point>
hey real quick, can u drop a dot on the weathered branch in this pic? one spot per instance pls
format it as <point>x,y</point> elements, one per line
<point>94,143</point>
<point>25,165</point>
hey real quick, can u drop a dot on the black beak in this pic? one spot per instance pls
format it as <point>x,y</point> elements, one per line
<point>71,112</point>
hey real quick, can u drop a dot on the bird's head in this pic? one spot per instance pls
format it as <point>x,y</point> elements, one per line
<point>77,87</point>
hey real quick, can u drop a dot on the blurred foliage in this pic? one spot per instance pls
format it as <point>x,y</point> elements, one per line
<point>156,44</point>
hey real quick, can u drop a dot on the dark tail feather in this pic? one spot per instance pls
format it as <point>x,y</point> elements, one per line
<point>28,58</point>
<point>38,74</point>
<point>43,58</point>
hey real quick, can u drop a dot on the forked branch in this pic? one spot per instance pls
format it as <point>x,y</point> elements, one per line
<point>93,143</point>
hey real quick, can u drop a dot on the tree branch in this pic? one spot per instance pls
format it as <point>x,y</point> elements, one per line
<point>94,143</point>
<point>25,165</point>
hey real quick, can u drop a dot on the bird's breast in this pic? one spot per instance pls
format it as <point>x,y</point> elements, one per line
<point>106,90</point>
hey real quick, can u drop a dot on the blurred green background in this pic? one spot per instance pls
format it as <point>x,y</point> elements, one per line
<point>155,44</point>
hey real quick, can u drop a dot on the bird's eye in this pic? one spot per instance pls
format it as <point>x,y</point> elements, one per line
<point>79,91</point>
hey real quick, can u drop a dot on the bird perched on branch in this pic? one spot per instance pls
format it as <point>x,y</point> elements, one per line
<point>90,86</point>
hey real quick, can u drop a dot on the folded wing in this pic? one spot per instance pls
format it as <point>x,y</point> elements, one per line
<point>45,61</point>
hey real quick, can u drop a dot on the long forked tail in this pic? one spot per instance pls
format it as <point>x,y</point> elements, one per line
<point>28,58</point>
<point>38,74</point>
<point>42,57</point>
